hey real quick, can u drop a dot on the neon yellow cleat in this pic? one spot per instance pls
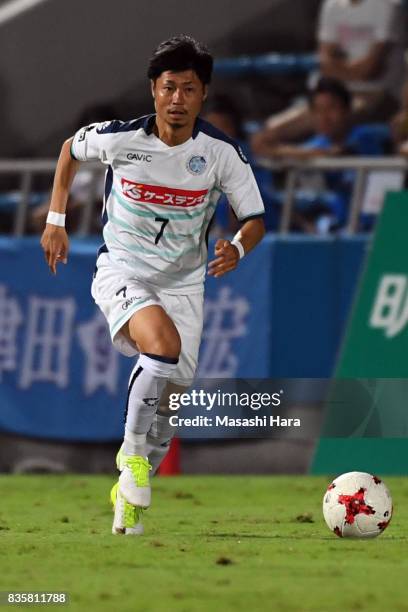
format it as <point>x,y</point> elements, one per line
<point>120,459</point>
<point>134,482</point>
<point>127,518</point>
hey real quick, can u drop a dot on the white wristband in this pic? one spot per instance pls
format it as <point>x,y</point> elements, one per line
<point>239,246</point>
<point>56,218</point>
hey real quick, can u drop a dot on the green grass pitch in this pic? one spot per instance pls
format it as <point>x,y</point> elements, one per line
<point>211,543</point>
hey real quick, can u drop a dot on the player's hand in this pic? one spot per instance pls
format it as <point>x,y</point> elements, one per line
<point>226,259</point>
<point>55,243</point>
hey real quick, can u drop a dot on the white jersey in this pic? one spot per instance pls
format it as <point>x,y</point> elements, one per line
<point>355,28</point>
<point>159,200</point>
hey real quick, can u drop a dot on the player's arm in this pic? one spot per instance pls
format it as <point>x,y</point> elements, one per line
<point>237,181</point>
<point>54,240</point>
<point>228,254</point>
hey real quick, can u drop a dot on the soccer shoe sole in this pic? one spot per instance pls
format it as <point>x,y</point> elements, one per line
<point>126,519</point>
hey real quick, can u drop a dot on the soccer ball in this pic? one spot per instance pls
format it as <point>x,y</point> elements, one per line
<point>357,505</point>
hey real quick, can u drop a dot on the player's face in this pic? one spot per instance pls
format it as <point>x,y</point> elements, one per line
<point>178,97</point>
<point>331,117</point>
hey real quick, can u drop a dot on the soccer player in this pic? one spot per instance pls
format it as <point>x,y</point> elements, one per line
<point>165,173</point>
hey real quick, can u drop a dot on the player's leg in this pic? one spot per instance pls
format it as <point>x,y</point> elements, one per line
<point>187,314</point>
<point>121,298</point>
<point>161,431</point>
<point>153,332</point>
<point>127,518</point>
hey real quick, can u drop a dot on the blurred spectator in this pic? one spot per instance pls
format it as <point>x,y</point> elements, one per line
<point>360,42</point>
<point>222,112</point>
<point>403,148</point>
<point>399,123</point>
<point>330,105</point>
<point>84,191</point>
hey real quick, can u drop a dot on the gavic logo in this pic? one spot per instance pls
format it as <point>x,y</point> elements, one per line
<point>139,157</point>
<point>390,310</point>
<point>130,301</point>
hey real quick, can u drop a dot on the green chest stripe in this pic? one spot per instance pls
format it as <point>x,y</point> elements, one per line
<point>138,231</point>
<point>158,251</point>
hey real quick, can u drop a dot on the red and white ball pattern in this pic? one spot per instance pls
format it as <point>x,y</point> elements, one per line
<point>357,505</point>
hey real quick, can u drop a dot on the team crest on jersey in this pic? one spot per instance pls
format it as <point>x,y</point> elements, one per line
<point>196,164</point>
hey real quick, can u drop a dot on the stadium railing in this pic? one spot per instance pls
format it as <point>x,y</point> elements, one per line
<point>26,197</point>
<point>361,166</point>
<point>270,63</point>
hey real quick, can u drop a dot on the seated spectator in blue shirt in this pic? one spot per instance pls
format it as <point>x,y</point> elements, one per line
<point>362,43</point>
<point>330,103</point>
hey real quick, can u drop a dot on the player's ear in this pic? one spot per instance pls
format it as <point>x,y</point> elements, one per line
<point>152,87</point>
<point>205,92</point>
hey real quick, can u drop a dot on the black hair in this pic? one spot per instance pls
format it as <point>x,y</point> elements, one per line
<point>334,87</point>
<point>181,53</point>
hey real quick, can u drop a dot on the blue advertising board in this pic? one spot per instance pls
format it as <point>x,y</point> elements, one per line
<point>280,314</point>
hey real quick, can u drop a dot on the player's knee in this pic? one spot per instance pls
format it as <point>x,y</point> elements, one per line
<point>166,343</point>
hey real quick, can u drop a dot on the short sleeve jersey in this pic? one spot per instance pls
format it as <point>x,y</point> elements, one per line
<point>159,200</point>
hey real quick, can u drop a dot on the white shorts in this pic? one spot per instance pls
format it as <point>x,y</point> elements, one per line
<point>119,296</point>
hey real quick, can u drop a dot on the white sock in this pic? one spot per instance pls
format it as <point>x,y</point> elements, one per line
<point>158,440</point>
<point>146,385</point>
